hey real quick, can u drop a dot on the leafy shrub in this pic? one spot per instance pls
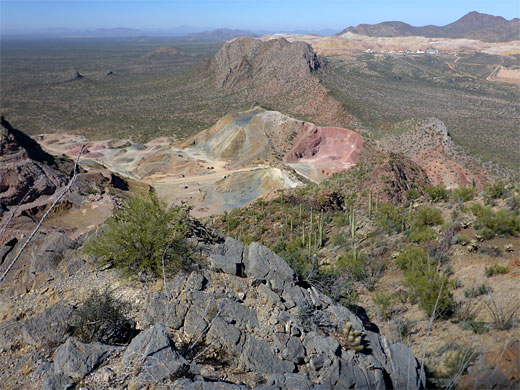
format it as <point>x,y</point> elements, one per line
<point>496,269</point>
<point>412,194</point>
<point>425,282</point>
<point>496,190</point>
<point>365,269</point>
<point>101,318</point>
<point>477,291</point>
<point>390,218</point>
<point>490,223</point>
<point>410,256</point>
<point>290,252</point>
<point>418,235</point>
<point>136,237</point>
<point>437,193</point>
<point>385,302</point>
<point>427,216</point>
<point>423,220</point>
<point>462,194</point>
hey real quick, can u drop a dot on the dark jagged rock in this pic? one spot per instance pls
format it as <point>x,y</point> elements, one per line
<point>25,169</point>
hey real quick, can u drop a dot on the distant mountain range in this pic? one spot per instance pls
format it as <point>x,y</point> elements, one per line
<point>221,34</point>
<point>473,25</point>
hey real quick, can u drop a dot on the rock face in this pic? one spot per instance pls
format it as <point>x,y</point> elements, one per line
<point>430,146</point>
<point>243,61</point>
<point>25,169</point>
<point>248,308</point>
<point>277,73</point>
<point>240,321</point>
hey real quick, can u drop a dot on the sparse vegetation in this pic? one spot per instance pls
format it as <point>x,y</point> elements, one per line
<point>102,317</point>
<point>496,269</point>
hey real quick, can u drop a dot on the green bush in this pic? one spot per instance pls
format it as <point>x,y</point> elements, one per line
<point>290,252</point>
<point>437,193</point>
<point>365,269</point>
<point>409,256</point>
<point>385,302</point>
<point>390,218</point>
<point>477,291</point>
<point>102,318</point>
<point>412,194</point>
<point>423,220</point>
<point>496,190</point>
<point>462,194</point>
<point>496,269</point>
<point>425,282</point>
<point>427,216</point>
<point>418,235</point>
<point>490,223</point>
<point>136,237</point>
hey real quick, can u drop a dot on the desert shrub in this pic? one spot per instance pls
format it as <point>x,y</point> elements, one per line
<point>365,269</point>
<point>496,190</point>
<point>418,235</point>
<point>390,218</point>
<point>412,194</point>
<point>461,239</point>
<point>290,252</point>
<point>340,239</point>
<point>402,328</point>
<point>136,237</point>
<point>410,256</point>
<point>496,269</point>
<point>474,292</point>
<point>490,223</point>
<point>437,193</point>
<point>423,220</point>
<point>427,216</point>
<point>337,285</point>
<point>385,302</point>
<point>457,358</point>
<point>462,194</point>
<point>425,282</point>
<point>503,312</point>
<point>513,202</point>
<point>102,318</point>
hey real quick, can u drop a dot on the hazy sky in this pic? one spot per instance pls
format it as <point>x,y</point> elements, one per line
<point>28,16</point>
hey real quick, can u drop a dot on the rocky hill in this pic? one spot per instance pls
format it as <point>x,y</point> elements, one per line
<point>429,145</point>
<point>26,171</point>
<point>276,72</point>
<point>164,52</point>
<point>472,25</point>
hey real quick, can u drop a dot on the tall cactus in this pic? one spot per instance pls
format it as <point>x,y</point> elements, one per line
<point>320,228</point>
<point>353,226</point>
<point>369,203</point>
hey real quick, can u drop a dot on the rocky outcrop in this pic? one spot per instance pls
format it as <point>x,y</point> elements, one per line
<point>277,73</point>
<point>240,321</point>
<point>244,61</point>
<point>248,307</point>
<point>429,145</point>
<point>25,169</point>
